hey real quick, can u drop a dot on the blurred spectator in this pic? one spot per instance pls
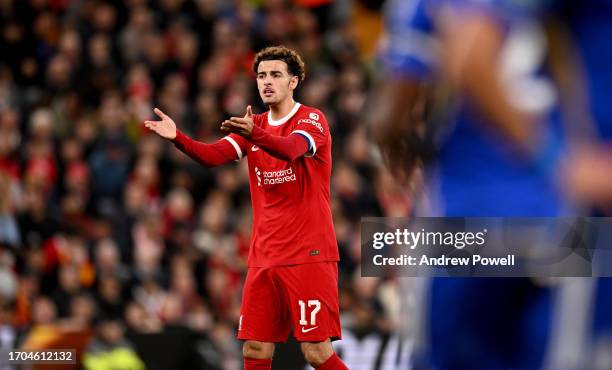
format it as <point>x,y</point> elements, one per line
<point>9,230</point>
<point>108,261</point>
<point>150,295</point>
<point>68,288</point>
<point>139,321</point>
<point>110,295</point>
<point>110,349</point>
<point>10,336</point>
<point>82,311</point>
<point>44,311</point>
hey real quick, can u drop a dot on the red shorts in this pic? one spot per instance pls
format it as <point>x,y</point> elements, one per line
<point>302,297</point>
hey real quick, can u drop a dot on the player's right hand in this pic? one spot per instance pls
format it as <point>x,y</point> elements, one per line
<point>241,126</point>
<point>165,128</point>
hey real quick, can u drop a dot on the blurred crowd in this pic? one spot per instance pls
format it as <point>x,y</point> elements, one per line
<point>105,228</point>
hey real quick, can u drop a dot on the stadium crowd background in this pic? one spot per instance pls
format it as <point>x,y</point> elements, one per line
<point>102,223</point>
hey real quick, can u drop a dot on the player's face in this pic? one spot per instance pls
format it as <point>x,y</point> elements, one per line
<point>274,82</point>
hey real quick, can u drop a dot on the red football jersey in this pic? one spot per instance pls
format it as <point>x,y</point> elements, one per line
<point>292,221</point>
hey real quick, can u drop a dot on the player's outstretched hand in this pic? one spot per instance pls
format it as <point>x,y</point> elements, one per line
<point>165,128</point>
<point>240,125</point>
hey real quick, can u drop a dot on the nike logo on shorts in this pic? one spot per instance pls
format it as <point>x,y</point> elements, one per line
<point>254,148</point>
<point>304,330</point>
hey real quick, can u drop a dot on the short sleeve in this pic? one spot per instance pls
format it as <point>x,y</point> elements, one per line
<point>315,129</point>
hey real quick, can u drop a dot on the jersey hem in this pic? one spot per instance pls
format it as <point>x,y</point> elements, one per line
<point>249,265</point>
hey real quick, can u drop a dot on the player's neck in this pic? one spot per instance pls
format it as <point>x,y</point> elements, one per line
<point>280,110</point>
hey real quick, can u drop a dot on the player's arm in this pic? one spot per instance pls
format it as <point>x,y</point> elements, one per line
<point>210,155</point>
<point>287,148</point>
<point>395,110</point>
<point>393,119</point>
<point>587,171</point>
<point>220,152</point>
<point>471,43</point>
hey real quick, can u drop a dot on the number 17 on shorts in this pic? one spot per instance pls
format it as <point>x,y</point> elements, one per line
<point>314,305</point>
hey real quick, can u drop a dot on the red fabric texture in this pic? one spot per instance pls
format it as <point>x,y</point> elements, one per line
<point>255,364</point>
<point>209,155</point>
<point>287,148</point>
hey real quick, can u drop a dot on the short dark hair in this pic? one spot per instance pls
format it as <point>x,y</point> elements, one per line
<point>295,65</point>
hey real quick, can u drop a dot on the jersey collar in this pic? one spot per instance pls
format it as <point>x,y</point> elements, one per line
<point>279,122</point>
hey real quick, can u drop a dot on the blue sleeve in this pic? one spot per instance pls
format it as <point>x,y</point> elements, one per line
<point>410,48</point>
<point>503,11</point>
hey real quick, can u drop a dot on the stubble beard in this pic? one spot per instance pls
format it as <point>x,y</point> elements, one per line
<point>271,101</point>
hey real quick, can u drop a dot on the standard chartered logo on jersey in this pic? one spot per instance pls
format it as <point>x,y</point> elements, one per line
<point>274,177</point>
<point>258,174</point>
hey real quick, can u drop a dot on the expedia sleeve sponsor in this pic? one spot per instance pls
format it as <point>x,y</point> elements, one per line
<point>312,122</point>
<point>314,128</point>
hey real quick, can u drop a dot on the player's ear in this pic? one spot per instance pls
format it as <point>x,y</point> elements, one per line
<point>293,82</point>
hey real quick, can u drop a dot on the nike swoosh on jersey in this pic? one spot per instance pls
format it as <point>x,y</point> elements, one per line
<point>304,330</point>
<point>254,148</point>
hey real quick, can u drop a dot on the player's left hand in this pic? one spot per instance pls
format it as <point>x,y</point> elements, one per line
<point>240,125</point>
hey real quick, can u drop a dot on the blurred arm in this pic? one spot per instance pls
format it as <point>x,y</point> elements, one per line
<point>393,119</point>
<point>470,47</point>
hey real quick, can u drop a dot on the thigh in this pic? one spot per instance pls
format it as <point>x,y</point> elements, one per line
<point>312,300</point>
<point>263,314</point>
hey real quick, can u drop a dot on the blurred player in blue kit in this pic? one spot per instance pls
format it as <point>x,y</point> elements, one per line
<point>504,154</point>
<point>499,156</point>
